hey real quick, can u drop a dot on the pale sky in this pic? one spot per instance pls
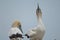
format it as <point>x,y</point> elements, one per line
<point>25,12</point>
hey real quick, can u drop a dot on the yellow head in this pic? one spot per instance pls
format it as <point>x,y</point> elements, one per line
<point>16,24</point>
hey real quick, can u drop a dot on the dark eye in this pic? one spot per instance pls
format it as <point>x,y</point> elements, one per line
<point>19,25</point>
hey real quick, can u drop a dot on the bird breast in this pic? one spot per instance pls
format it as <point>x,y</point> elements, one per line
<point>40,31</point>
<point>40,28</point>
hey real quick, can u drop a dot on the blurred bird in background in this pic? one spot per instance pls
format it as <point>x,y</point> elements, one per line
<point>15,33</point>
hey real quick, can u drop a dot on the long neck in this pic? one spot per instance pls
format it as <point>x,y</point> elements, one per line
<point>39,19</point>
<point>39,15</point>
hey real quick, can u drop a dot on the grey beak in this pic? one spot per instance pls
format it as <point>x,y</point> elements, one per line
<point>20,28</point>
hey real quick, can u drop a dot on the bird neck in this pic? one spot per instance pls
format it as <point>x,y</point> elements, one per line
<point>39,19</point>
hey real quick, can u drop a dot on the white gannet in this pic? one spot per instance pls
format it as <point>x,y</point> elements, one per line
<point>38,31</point>
<point>15,33</point>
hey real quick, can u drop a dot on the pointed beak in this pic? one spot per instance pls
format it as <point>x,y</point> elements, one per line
<point>20,28</point>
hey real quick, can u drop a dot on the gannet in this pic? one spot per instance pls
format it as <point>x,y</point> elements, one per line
<point>37,33</point>
<point>15,32</point>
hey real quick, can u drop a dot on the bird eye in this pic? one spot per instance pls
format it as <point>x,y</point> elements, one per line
<point>19,25</point>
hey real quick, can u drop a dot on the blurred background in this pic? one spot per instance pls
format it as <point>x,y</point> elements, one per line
<point>25,12</point>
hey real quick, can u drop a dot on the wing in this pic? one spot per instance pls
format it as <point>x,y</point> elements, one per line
<point>31,33</point>
<point>14,31</point>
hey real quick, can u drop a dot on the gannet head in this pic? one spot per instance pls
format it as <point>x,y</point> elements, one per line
<point>17,24</point>
<point>38,11</point>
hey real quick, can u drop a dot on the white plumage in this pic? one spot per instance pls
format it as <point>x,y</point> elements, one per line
<point>38,31</point>
<point>15,32</point>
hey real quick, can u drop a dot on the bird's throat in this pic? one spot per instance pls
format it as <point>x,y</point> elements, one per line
<point>39,19</point>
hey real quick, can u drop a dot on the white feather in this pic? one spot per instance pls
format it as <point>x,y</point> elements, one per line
<point>15,30</point>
